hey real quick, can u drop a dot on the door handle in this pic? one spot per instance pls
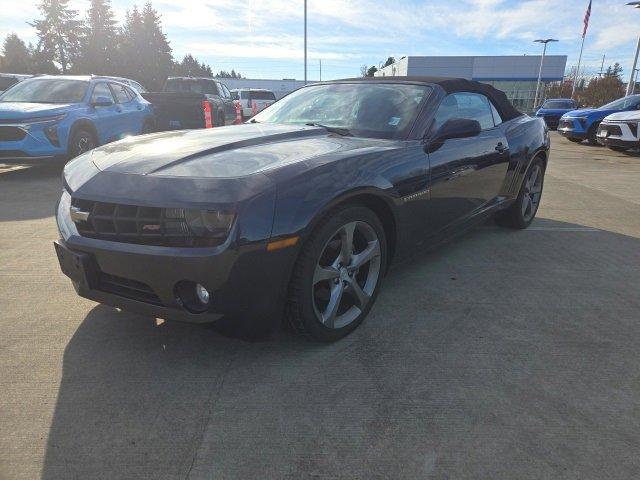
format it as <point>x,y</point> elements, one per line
<point>501,147</point>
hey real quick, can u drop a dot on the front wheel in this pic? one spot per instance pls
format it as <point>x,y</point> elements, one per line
<point>338,274</point>
<point>522,212</point>
<point>591,135</point>
<point>81,141</point>
<point>575,140</point>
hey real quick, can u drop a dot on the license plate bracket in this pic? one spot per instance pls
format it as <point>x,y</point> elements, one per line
<point>78,266</point>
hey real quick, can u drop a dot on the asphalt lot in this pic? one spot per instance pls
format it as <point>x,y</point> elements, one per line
<point>503,355</point>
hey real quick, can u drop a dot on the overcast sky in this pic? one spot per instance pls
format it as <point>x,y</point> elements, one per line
<point>264,38</point>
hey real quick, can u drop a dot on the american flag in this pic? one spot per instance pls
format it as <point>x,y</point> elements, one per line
<point>586,19</point>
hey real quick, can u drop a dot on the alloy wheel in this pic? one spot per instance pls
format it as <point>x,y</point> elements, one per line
<point>532,193</point>
<point>346,274</point>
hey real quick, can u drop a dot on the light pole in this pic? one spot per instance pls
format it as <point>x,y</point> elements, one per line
<point>544,51</point>
<point>305,42</point>
<point>635,60</point>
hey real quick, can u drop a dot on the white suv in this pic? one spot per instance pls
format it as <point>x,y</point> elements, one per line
<point>620,131</point>
<point>252,100</point>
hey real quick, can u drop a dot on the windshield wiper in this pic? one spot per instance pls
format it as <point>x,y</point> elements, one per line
<point>340,131</point>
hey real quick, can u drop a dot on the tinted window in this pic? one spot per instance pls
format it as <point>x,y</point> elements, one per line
<point>560,104</point>
<point>225,91</point>
<point>101,90</point>
<point>47,91</point>
<point>130,93</point>
<point>262,95</point>
<point>6,82</point>
<point>191,85</point>
<point>626,103</point>
<point>379,110</point>
<point>120,91</point>
<point>472,106</point>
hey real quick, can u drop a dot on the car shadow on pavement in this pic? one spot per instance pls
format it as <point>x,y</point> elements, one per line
<point>459,369</point>
<point>31,192</point>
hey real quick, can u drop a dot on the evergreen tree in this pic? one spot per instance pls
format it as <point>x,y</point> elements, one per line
<point>16,57</point>
<point>59,33</point>
<point>155,52</point>
<point>99,46</point>
<point>190,67</point>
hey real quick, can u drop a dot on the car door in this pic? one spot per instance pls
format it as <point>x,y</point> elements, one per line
<point>105,118</point>
<point>131,112</point>
<point>229,107</point>
<point>466,174</point>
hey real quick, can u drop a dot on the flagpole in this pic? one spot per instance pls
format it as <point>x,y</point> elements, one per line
<point>575,81</point>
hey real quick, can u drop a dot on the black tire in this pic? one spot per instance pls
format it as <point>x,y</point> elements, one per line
<point>220,119</point>
<point>302,306</point>
<point>517,216</point>
<point>147,127</point>
<point>618,149</point>
<point>575,140</point>
<point>591,134</point>
<point>82,140</point>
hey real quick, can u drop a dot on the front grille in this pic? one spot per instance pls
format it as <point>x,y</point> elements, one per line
<point>11,134</point>
<point>12,154</point>
<point>127,288</point>
<point>135,224</point>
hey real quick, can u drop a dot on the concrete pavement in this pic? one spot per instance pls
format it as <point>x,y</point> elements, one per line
<point>502,355</point>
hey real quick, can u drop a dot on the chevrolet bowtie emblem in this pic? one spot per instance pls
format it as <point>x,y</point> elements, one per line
<point>78,215</point>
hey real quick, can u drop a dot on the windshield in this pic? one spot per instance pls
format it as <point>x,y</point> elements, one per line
<point>193,86</point>
<point>378,110</point>
<point>560,104</point>
<point>261,95</point>
<point>623,103</point>
<point>47,90</point>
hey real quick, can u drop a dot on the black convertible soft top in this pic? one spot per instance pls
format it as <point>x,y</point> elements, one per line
<point>450,85</point>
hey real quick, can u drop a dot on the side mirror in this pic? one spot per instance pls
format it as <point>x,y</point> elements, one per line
<point>102,102</point>
<point>457,128</point>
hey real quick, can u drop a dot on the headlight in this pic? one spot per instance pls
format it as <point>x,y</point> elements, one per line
<point>211,226</point>
<point>53,118</point>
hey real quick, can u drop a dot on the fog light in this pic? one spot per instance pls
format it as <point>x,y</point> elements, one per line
<point>203,294</point>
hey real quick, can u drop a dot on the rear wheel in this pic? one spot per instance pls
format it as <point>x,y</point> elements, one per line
<point>338,274</point>
<point>575,140</point>
<point>522,212</point>
<point>220,119</point>
<point>147,127</point>
<point>82,140</point>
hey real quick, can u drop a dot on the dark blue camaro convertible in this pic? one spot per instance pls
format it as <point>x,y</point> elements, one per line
<point>299,212</point>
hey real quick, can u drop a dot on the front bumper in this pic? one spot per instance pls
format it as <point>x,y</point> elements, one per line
<point>246,282</point>
<point>619,134</point>
<point>572,128</point>
<point>34,144</point>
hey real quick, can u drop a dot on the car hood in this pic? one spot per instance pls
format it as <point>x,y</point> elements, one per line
<point>21,111</point>
<point>624,116</point>
<point>589,112</point>
<point>226,152</point>
<point>552,111</point>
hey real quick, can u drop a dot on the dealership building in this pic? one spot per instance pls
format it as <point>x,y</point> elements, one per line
<point>516,75</point>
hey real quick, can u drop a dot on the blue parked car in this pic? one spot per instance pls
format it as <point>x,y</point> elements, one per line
<point>64,116</point>
<point>582,124</point>
<point>553,108</point>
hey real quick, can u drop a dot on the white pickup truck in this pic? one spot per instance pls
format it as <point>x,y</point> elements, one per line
<point>620,131</point>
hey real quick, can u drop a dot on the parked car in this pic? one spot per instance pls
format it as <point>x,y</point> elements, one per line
<point>10,79</point>
<point>553,108</point>
<point>620,131</point>
<point>582,124</point>
<point>252,100</point>
<point>58,116</point>
<point>301,209</point>
<point>127,81</point>
<point>188,102</point>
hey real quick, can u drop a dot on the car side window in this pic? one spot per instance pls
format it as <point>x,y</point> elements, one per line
<point>497,119</point>
<point>101,90</point>
<point>130,93</point>
<point>120,91</point>
<point>471,106</point>
<point>225,91</point>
